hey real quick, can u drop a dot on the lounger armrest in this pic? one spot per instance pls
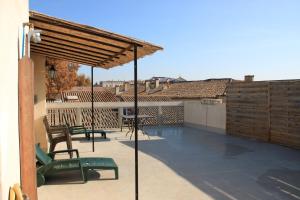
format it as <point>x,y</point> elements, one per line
<point>52,154</point>
<point>58,127</point>
<point>77,126</point>
<point>76,129</point>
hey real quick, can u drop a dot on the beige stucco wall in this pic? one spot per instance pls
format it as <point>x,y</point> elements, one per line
<point>40,99</point>
<point>12,15</point>
<point>205,115</point>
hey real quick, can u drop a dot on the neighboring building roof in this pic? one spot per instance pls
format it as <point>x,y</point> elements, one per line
<point>130,90</point>
<point>210,88</point>
<point>196,89</point>
<point>179,79</point>
<point>84,95</point>
<point>130,98</point>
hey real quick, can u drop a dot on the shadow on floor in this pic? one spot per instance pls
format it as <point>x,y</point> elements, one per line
<point>74,177</point>
<point>226,167</point>
<point>71,177</point>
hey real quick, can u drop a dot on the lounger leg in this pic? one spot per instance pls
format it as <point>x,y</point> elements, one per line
<point>69,146</point>
<point>116,173</point>
<point>85,175</point>
<point>52,147</point>
<point>131,135</point>
<point>128,125</point>
<point>40,179</point>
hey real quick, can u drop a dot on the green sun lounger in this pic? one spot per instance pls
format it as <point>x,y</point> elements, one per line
<point>80,129</point>
<point>49,166</point>
<point>75,130</point>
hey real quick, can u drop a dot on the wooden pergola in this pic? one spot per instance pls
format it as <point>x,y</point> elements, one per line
<point>91,46</point>
<point>85,44</point>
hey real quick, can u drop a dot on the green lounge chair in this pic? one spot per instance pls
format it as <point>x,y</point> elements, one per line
<point>80,129</point>
<point>49,166</point>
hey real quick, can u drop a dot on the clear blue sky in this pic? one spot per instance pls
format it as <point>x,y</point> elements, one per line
<point>201,38</point>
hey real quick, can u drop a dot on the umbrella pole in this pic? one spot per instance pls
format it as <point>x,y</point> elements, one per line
<point>92,95</point>
<point>136,126</point>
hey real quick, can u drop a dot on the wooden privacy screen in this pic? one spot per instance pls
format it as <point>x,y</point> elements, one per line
<point>26,135</point>
<point>268,111</point>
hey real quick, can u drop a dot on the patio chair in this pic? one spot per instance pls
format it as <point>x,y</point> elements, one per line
<point>57,134</point>
<point>126,122</point>
<point>80,129</point>
<point>49,166</point>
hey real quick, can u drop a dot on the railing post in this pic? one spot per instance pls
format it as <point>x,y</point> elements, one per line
<point>120,114</point>
<point>78,116</point>
<point>160,116</point>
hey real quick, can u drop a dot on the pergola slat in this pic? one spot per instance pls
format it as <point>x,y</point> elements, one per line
<point>69,51</point>
<point>66,58</point>
<point>79,40</point>
<point>78,44</point>
<point>70,48</point>
<point>79,34</point>
<point>78,58</point>
<point>105,35</point>
<point>67,54</point>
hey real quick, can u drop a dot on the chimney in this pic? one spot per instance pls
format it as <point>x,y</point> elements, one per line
<point>117,89</point>
<point>156,83</point>
<point>126,86</point>
<point>249,78</point>
<point>147,85</point>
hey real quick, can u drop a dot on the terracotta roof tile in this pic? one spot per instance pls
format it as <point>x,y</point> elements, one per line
<point>84,95</point>
<point>129,98</point>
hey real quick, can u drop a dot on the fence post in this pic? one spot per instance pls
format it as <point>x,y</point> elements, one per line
<point>269,111</point>
<point>160,115</point>
<point>78,116</point>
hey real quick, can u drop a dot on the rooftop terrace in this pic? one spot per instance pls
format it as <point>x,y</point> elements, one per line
<point>184,163</point>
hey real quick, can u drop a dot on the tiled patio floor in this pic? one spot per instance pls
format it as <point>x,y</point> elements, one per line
<point>182,163</point>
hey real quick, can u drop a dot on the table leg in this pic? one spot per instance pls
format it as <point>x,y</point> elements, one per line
<point>122,124</point>
<point>130,126</point>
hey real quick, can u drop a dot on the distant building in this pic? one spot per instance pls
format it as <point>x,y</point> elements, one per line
<point>110,83</point>
<point>166,79</point>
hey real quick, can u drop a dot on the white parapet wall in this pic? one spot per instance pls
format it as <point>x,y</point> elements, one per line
<point>197,113</point>
<point>13,13</point>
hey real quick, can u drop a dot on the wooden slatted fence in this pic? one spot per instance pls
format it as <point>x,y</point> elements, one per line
<point>265,110</point>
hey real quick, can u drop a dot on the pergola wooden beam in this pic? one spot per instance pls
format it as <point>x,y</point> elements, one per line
<point>84,46</point>
<point>79,39</point>
<point>115,55</point>
<point>84,30</point>
<point>69,51</point>
<point>73,49</point>
<point>65,54</point>
<point>79,34</point>
<point>65,57</point>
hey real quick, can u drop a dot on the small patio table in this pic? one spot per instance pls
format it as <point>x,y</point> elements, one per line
<point>141,120</point>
